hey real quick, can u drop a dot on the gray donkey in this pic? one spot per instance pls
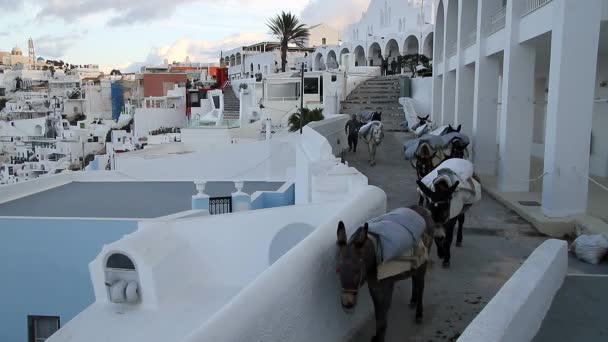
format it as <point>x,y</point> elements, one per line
<point>358,265</point>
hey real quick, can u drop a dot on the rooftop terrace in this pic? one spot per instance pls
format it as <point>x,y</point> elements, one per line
<point>120,199</point>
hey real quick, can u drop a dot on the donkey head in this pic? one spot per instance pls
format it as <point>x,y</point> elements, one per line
<point>451,129</point>
<point>423,120</point>
<point>439,201</point>
<point>458,148</point>
<point>424,160</point>
<point>377,134</point>
<point>351,267</point>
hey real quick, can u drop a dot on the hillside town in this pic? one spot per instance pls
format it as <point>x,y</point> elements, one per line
<point>424,170</point>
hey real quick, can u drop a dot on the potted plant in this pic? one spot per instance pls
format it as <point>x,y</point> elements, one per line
<point>243,88</point>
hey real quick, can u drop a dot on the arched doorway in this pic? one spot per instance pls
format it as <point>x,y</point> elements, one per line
<point>427,47</point>
<point>392,49</point>
<point>332,60</point>
<point>342,53</point>
<point>360,56</point>
<point>375,55</point>
<point>411,45</point>
<point>319,65</point>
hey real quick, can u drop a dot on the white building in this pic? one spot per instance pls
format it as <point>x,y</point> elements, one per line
<point>322,34</point>
<point>387,29</point>
<point>529,80</point>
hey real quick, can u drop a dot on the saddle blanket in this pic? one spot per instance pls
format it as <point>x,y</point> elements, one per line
<point>411,147</point>
<point>411,259</point>
<point>448,138</point>
<point>453,170</point>
<point>397,232</point>
<point>365,129</point>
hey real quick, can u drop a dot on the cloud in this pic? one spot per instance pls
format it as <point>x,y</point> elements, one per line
<point>336,13</point>
<point>10,5</point>
<point>196,50</point>
<point>124,12</point>
<point>53,46</point>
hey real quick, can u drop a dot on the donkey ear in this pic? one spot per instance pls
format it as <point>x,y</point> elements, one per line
<point>454,187</point>
<point>362,236</point>
<point>427,117</point>
<point>419,118</point>
<point>459,128</point>
<point>341,234</point>
<point>428,192</point>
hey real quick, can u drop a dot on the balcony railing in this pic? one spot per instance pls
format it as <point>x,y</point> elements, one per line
<point>470,39</point>
<point>533,5</point>
<point>498,20</point>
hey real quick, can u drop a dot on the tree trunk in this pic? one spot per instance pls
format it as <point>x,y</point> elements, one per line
<point>283,55</point>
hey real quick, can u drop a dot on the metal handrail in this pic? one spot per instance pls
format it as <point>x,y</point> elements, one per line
<point>533,5</point>
<point>498,20</point>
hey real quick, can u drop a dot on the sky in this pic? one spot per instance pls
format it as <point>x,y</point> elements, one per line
<point>125,34</point>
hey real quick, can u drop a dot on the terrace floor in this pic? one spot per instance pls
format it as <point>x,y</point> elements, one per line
<point>120,199</point>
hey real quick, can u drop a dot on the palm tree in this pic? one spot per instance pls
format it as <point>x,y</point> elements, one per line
<point>287,28</point>
<point>309,116</point>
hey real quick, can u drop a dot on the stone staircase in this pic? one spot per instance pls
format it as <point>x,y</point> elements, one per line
<point>232,104</point>
<point>377,94</point>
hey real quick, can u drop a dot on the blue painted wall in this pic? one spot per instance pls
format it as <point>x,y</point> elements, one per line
<point>45,268</point>
<point>275,199</point>
<point>118,99</point>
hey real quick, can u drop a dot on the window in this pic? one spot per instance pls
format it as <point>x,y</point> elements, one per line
<point>311,85</point>
<point>120,261</point>
<point>324,41</point>
<point>40,328</point>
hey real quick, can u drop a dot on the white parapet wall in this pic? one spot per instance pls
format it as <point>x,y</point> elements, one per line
<point>517,311</point>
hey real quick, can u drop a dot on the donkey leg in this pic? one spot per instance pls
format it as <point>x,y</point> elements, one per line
<point>421,272</point>
<point>414,291</point>
<point>381,296</point>
<point>459,234</point>
<point>421,201</point>
<point>449,237</point>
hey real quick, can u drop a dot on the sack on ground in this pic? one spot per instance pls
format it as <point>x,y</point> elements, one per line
<point>590,248</point>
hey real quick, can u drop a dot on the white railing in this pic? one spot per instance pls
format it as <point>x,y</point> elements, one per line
<point>498,20</point>
<point>470,39</point>
<point>533,5</point>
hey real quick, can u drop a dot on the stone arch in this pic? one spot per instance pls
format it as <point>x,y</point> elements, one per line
<point>411,45</point>
<point>392,49</point>
<point>318,64</point>
<point>342,53</point>
<point>332,60</point>
<point>232,60</point>
<point>239,60</point>
<point>439,30</point>
<point>427,46</point>
<point>375,54</point>
<point>360,56</point>
<point>451,28</point>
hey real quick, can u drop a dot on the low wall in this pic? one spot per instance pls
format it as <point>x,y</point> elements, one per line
<point>45,271</point>
<point>297,299</point>
<point>516,312</point>
<point>11,192</point>
<point>149,119</point>
<point>332,129</point>
<point>271,199</point>
<point>422,93</point>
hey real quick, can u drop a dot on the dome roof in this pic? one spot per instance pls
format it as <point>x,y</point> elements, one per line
<point>40,59</point>
<point>16,51</point>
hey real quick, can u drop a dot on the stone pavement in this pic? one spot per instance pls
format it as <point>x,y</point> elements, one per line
<point>496,242</point>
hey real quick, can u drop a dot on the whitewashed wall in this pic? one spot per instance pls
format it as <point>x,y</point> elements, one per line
<point>422,93</point>
<point>148,119</point>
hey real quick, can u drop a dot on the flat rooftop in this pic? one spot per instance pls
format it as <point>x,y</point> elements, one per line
<point>120,199</point>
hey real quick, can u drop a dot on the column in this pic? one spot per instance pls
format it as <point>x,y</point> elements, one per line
<point>517,110</point>
<point>240,200</point>
<point>449,96</point>
<point>485,98</point>
<point>574,49</point>
<point>436,113</point>
<point>465,86</point>
<point>200,201</point>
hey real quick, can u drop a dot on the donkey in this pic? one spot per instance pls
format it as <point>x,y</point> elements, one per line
<point>422,127</point>
<point>357,265</point>
<point>459,150</point>
<point>439,203</point>
<point>451,129</point>
<point>424,164</point>
<point>373,138</point>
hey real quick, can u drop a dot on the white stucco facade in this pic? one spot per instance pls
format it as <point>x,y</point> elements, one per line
<point>527,78</point>
<point>388,29</point>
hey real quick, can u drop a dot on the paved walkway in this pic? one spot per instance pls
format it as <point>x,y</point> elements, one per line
<point>496,243</point>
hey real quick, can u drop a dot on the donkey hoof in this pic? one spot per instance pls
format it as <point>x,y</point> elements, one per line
<point>418,319</point>
<point>458,243</point>
<point>446,264</point>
